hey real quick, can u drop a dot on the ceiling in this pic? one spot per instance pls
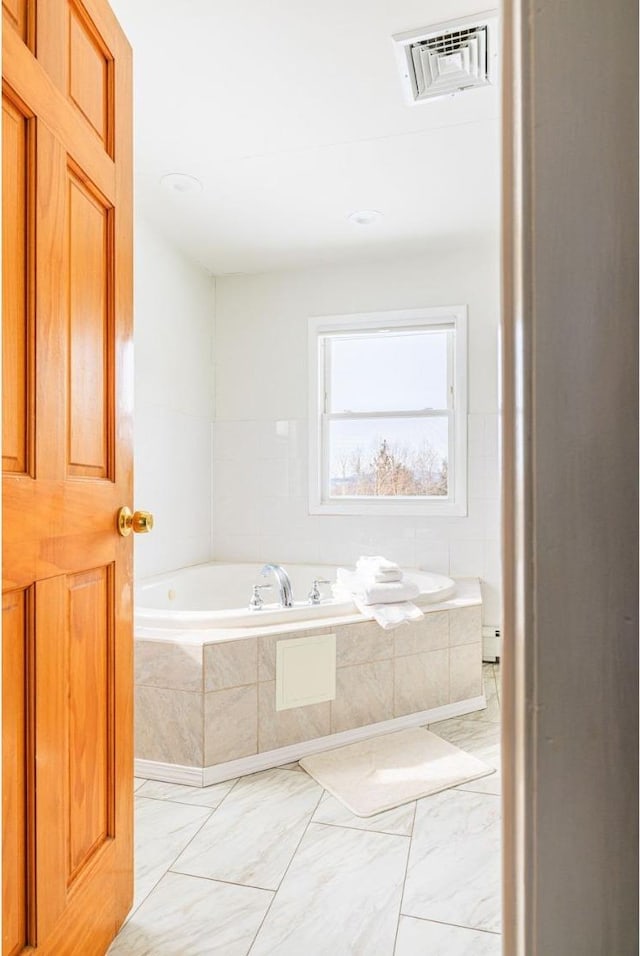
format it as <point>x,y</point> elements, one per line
<point>293,116</point>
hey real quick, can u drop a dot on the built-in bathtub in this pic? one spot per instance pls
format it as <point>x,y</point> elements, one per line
<point>206,669</point>
<point>218,595</point>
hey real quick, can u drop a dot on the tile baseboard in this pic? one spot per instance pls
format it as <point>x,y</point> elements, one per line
<point>205,776</point>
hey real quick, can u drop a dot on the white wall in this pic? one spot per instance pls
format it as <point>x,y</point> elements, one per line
<point>260,443</point>
<point>173,335</point>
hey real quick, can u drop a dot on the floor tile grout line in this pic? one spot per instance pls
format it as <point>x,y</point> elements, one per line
<point>211,879</point>
<point>181,851</point>
<point>406,873</point>
<point>345,826</point>
<point>441,922</point>
<point>269,890</point>
<point>293,856</point>
<point>214,810</point>
<point>181,803</point>
<point>162,876</point>
<point>482,793</point>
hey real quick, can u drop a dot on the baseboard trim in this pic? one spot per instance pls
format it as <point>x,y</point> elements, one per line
<point>205,776</point>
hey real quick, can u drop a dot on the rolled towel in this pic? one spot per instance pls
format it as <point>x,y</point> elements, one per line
<point>377,593</point>
<point>378,569</point>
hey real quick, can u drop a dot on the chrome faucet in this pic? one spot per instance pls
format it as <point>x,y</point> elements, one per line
<point>315,595</point>
<point>286,595</point>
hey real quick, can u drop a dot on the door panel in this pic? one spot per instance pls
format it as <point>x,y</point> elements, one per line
<point>17,769</point>
<point>91,719</point>
<point>67,456</point>
<point>90,330</point>
<point>16,237</point>
<point>18,16</point>
<point>90,74</point>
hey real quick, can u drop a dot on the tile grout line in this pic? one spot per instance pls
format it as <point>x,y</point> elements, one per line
<point>164,873</point>
<point>439,922</point>
<point>293,856</point>
<point>181,851</point>
<point>211,879</point>
<point>182,803</point>
<point>404,881</point>
<point>345,826</point>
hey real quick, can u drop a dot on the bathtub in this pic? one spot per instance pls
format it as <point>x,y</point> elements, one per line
<point>209,596</point>
<point>207,671</point>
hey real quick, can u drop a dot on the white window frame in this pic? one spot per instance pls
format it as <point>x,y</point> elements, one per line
<point>451,317</point>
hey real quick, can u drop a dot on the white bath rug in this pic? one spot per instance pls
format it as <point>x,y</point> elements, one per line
<point>384,772</point>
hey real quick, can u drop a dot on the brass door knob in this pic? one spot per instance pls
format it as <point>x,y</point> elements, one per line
<point>140,522</point>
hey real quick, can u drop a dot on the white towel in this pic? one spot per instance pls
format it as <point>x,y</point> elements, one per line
<point>376,593</point>
<point>389,616</point>
<point>378,569</point>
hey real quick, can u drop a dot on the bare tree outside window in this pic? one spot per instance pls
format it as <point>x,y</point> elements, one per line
<point>391,469</point>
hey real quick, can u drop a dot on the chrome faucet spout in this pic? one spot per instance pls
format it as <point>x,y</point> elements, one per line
<point>286,594</point>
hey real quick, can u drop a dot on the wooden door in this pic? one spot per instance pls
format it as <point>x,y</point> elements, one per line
<point>67,469</point>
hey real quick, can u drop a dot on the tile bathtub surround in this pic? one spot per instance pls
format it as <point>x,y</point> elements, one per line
<point>230,664</point>
<point>170,665</point>
<point>465,625</point>
<point>285,727</point>
<point>230,724</point>
<point>364,695</point>
<point>338,884</point>
<point>361,643</point>
<point>380,675</point>
<point>430,634</point>
<point>169,725</point>
<point>465,671</point>
<point>422,682</point>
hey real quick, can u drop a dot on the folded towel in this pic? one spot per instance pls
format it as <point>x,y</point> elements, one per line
<point>377,578</point>
<point>378,569</point>
<point>389,616</point>
<point>376,593</point>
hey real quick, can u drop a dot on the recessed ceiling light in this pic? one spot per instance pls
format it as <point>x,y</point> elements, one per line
<point>365,217</point>
<point>181,183</point>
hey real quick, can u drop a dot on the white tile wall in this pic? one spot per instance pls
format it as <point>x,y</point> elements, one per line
<point>173,336</point>
<point>254,489</point>
<point>260,433</point>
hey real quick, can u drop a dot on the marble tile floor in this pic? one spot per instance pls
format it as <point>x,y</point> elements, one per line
<point>271,864</point>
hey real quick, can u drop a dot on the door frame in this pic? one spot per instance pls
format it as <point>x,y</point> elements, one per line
<point>569,329</point>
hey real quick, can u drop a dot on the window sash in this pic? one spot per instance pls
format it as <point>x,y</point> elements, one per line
<point>326,417</point>
<point>322,329</point>
<point>325,421</point>
<point>325,355</point>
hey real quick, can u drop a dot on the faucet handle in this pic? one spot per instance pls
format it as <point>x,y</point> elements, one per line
<point>314,596</point>
<point>257,600</point>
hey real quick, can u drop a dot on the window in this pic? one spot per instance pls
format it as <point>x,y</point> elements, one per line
<point>388,413</point>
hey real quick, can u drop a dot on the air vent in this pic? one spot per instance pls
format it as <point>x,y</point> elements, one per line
<point>447,58</point>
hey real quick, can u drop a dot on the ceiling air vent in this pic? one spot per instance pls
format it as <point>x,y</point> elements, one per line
<point>447,58</point>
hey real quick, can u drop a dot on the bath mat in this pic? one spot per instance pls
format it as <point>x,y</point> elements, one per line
<point>384,772</point>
